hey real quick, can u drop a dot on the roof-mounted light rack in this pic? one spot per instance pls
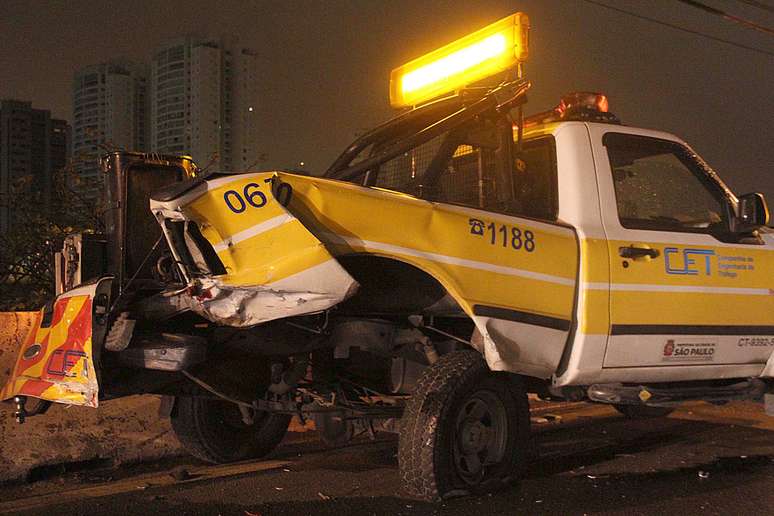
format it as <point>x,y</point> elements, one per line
<point>496,48</point>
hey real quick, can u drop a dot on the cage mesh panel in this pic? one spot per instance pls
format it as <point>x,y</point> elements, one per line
<point>459,182</point>
<point>404,173</point>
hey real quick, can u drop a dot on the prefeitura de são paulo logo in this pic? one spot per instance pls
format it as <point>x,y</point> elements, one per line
<point>689,351</point>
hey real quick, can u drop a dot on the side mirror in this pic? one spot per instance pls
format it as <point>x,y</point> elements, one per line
<point>752,211</point>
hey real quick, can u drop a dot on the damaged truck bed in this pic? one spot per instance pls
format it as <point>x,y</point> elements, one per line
<point>293,245</point>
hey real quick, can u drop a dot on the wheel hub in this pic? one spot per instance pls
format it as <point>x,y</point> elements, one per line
<point>481,436</point>
<point>473,436</point>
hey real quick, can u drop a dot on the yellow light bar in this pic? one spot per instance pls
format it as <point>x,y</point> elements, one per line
<point>486,52</point>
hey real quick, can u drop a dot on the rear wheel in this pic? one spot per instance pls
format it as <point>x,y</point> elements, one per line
<point>643,411</point>
<point>465,429</point>
<point>214,431</point>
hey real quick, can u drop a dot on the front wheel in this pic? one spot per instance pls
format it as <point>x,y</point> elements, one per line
<point>215,431</point>
<point>465,429</point>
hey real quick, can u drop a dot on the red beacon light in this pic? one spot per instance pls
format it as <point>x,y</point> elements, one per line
<point>582,102</point>
<point>583,106</point>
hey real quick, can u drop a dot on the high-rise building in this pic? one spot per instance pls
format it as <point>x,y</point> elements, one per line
<point>245,148</point>
<point>202,94</point>
<point>33,147</point>
<point>110,109</point>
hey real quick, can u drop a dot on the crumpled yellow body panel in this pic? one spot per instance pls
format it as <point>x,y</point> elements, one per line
<point>275,267</point>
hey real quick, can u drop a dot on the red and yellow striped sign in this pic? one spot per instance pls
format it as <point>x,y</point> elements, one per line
<point>55,361</point>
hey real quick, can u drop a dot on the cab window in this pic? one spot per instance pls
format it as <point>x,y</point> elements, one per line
<point>534,180</point>
<point>659,185</point>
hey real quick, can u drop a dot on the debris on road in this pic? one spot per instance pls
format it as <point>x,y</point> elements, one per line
<point>546,418</point>
<point>180,474</point>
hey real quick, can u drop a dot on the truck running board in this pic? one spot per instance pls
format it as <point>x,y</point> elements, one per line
<point>751,389</point>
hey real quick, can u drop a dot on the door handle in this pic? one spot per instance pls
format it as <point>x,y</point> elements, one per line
<point>635,252</point>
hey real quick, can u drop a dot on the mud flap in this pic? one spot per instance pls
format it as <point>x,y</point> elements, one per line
<point>57,359</point>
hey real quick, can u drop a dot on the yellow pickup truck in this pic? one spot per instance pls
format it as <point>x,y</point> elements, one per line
<point>449,262</point>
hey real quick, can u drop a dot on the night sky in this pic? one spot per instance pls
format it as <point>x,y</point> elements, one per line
<point>324,66</point>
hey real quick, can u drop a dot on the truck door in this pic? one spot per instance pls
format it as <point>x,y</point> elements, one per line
<point>686,302</point>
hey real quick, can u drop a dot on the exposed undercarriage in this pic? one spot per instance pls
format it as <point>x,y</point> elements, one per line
<point>347,367</point>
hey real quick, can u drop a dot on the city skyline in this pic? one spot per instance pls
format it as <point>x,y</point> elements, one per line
<point>323,68</point>
<point>194,96</point>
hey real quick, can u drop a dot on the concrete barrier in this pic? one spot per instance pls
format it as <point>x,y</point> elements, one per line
<point>119,431</point>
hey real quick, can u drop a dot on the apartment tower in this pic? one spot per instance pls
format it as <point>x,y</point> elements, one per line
<point>33,147</point>
<point>109,113</point>
<point>202,94</point>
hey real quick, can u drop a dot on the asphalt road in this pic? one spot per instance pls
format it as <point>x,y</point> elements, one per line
<point>588,460</point>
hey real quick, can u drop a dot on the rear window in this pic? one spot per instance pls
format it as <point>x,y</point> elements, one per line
<point>535,181</point>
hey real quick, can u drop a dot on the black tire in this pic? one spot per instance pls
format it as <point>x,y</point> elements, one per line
<point>444,428</point>
<point>213,430</point>
<point>643,411</point>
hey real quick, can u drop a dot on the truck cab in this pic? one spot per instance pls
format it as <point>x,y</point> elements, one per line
<point>671,287</point>
<point>617,248</point>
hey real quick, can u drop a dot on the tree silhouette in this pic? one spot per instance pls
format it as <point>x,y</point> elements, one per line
<point>38,230</point>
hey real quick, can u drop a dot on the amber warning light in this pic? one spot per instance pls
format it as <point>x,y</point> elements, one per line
<point>493,49</point>
<point>577,106</point>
